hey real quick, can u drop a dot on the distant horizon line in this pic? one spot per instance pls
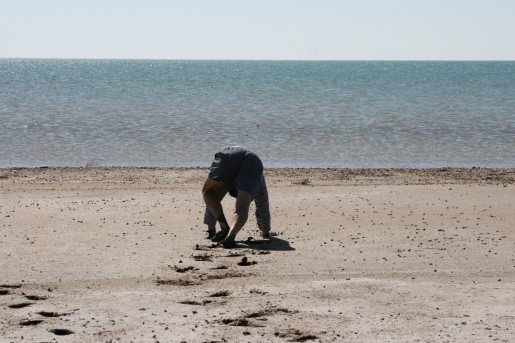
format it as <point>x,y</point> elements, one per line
<point>254,60</point>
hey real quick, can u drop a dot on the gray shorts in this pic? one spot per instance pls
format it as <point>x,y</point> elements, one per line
<point>238,168</point>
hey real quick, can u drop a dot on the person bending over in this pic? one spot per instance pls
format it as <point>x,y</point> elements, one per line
<point>239,172</point>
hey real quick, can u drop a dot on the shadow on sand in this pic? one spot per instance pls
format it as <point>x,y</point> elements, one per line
<point>272,244</point>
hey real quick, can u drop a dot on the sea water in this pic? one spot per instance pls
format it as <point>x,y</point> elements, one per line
<point>291,113</point>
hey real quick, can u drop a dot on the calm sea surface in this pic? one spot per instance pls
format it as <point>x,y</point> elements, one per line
<point>293,114</point>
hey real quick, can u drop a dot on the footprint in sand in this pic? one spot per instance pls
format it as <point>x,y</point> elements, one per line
<point>223,293</point>
<point>61,332</point>
<point>241,322</point>
<point>192,302</point>
<point>36,297</point>
<point>20,305</point>
<point>49,314</point>
<point>203,258</point>
<point>184,270</point>
<point>295,335</point>
<point>31,322</point>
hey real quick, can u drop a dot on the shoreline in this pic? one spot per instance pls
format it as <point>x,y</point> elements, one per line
<point>304,176</point>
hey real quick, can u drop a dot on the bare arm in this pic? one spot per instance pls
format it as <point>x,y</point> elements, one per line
<point>241,213</point>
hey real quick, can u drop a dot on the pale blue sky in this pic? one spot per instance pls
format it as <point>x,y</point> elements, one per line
<point>259,29</point>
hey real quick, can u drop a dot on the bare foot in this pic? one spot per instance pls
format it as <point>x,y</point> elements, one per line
<point>229,243</point>
<point>220,236</point>
<point>266,235</point>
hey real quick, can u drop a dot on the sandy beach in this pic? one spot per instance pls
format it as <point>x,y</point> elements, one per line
<point>358,255</point>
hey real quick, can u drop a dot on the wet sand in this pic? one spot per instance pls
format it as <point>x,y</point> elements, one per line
<point>359,255</point>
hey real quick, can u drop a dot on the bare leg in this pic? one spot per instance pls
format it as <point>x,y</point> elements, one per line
<point>209,218</point>
<point>211,231</point>
<point>210,192</point>
<point>263,210</point>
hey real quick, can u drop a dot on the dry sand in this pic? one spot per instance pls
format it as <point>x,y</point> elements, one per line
<point>381,255</point>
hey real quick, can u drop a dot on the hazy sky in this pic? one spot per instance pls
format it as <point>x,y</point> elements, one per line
<point>259,29</point>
